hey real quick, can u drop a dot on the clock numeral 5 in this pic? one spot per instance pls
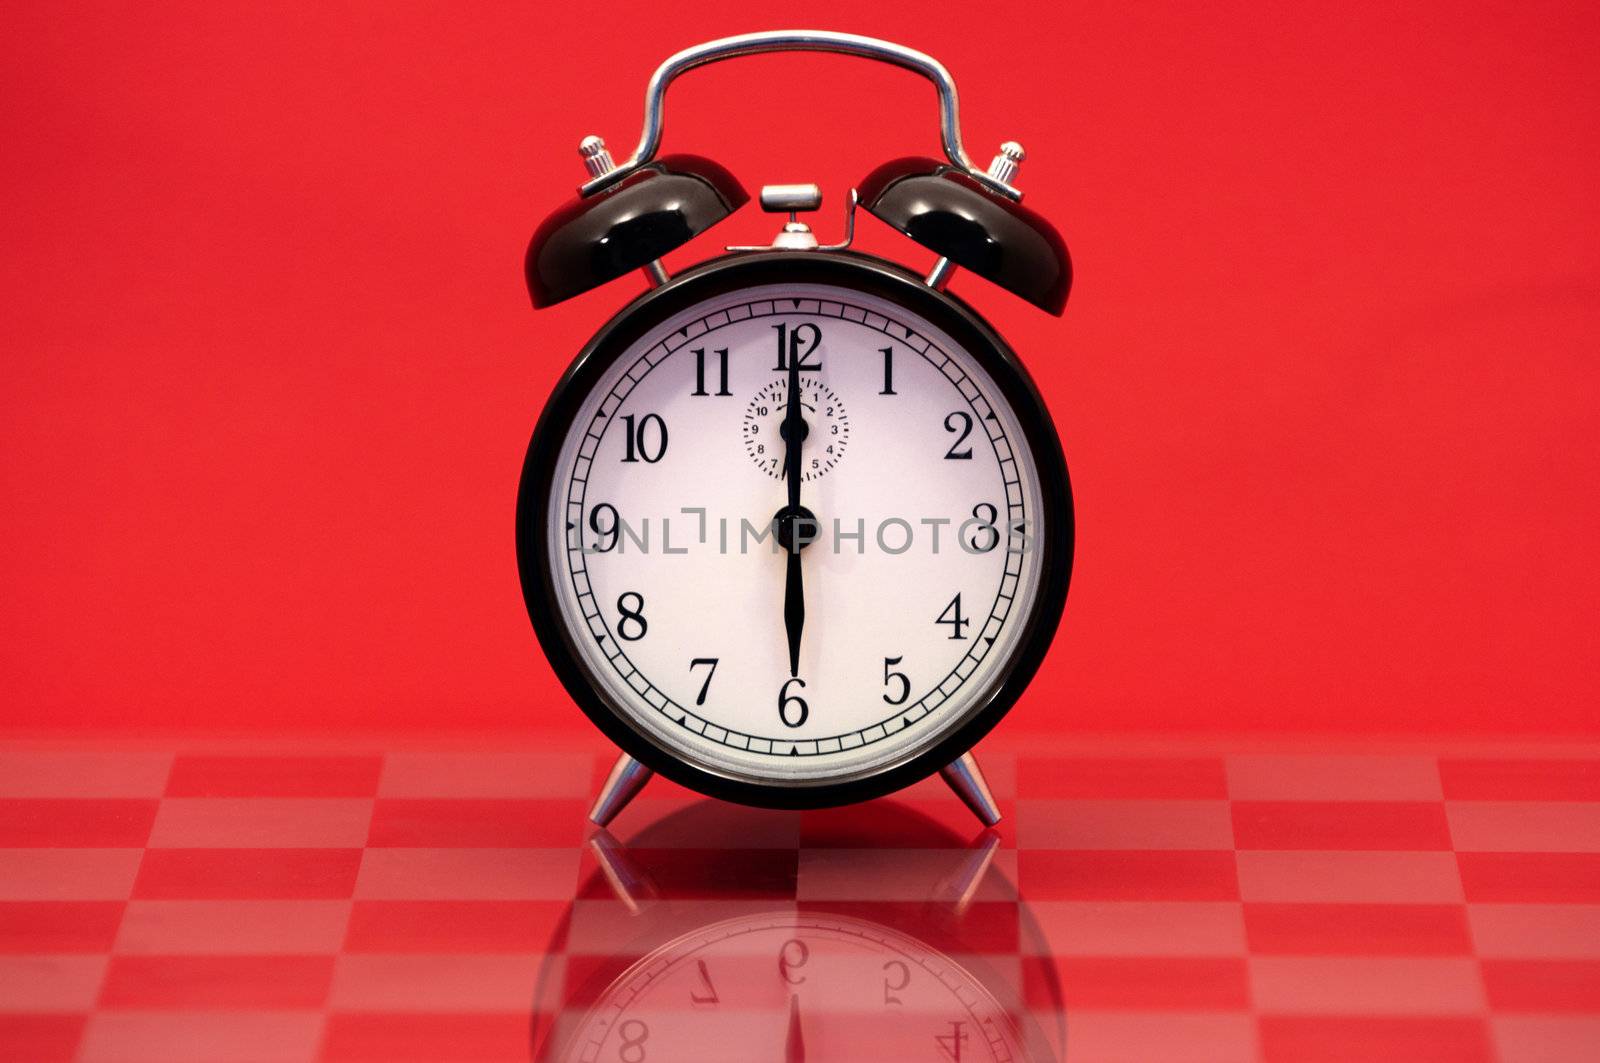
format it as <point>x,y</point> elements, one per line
<point>952,616</point>
<point>700,698</point>
<point>893,983</point>
<point>639,444</point>
<point>632,625</point>
<point>792,704</point>
<point>893,677</point>
<point>700,371</point>
<point>790,342</point>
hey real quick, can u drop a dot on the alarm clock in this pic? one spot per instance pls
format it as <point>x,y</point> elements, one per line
<point>794,528</point>
<point>838,949</point>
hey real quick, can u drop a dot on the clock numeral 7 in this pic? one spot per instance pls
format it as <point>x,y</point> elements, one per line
<point>700,698</point>
<point>710,994</point>
<point>896,677</point>
<point>952,616</point>
<point>791,342</point>
<point>700,371</point>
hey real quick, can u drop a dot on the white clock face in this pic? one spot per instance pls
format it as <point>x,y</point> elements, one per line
<point>679,597</point>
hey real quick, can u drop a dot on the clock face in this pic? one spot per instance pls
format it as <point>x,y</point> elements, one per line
<point>796,985</point>
<point>792,532</point>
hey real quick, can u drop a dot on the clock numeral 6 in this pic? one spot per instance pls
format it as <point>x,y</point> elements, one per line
<point>792,705</point>
<point>959,422</point>
<point>632,625</point>
<point>896,677</point>
<point>634,1034</point>
<point>791,958</point>
<point>952,616</point>
<point>638,444</point>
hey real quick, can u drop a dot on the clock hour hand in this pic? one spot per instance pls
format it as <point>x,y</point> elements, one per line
<point>794,1047</point>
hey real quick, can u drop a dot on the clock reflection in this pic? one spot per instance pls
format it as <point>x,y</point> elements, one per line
<point>870,933</point>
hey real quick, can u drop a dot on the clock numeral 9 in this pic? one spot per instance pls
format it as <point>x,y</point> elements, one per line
<point>985,536</point>
<point>632,619</point>
<point>952,616</point>
<point>896,677</point>
<point>792,704</point>
<point>614,528</point>
<point>791,958</point>
<point>634,1034</point>
<point>700,371</point>
<point>638,444</point>
<point>790,343</point>
<point>959,422</point>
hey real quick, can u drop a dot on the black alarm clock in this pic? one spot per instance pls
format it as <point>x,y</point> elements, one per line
<point>795,528</point>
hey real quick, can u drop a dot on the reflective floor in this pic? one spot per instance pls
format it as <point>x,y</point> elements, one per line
<point>1199,901</point>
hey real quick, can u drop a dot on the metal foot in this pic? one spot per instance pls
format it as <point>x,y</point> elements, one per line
<point>627,778</point>
<point>966,779</point>
<point>629,884</point>
<point>961,887</point>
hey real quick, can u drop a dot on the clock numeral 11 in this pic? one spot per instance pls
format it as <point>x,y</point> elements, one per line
<point>700,371</point>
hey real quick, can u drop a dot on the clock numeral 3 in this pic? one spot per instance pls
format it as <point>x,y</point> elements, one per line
<point>791,342</point>
<point>700,371</point>
<point>960,422</point>
<point>638,444</point>
<point>952,616</point>
<point>792,704</point>
<point>632,625</point>
<point>700,698</point>
<point>985,536</point>
<point>896,677</point>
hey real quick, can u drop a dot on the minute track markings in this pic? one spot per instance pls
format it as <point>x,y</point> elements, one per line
<point>934,356</point>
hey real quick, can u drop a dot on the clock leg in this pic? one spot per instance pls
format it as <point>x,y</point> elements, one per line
<point>966,779</point>
<point>627,778</point>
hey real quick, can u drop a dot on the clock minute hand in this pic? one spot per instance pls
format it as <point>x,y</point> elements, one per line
<point>794,597</point>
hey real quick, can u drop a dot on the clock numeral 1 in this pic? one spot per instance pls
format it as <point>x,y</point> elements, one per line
<point>790,342</point>
<point>953,1042</point>
<point>960,422</point>
<point>632,619</point>
<point>896,677</point>
<point>952,616</point>
<point>792,704</point>
<point>634,1034</point>
<point>638,444</point>
<point>893,983</point>
<point>700,371</point>
<point>888,371</point>
<point>700,698</point>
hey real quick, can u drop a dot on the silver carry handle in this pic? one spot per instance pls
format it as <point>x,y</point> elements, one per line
<point>801,41</point>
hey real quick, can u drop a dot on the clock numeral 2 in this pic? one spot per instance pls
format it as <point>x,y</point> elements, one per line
<point>700,371</point>
<point>700,698</point>
<point>952,616</point>
<point>893,677</point>
<point>638,444</point>
<point>785,699</point>
<point>632,619</point>
<point>964,419</point>
<point>790,342</point>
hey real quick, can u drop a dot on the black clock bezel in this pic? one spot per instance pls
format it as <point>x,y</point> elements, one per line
<point>719,276</point>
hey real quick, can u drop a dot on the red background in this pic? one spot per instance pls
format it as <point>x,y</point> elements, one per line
<point>1328,382</point>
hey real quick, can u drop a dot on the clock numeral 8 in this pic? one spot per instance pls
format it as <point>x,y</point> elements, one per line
<point>786,700</point>
<point>632,625</point>
<point>634,1034</point>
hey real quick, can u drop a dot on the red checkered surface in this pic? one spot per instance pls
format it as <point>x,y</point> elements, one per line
<point>1141,901</point>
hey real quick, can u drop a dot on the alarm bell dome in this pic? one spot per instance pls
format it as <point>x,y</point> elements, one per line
<point>593,239</point>
<point>949,213</point>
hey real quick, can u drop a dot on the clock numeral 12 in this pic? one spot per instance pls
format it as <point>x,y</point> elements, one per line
<point>700,371</point>
<point>790,342</point>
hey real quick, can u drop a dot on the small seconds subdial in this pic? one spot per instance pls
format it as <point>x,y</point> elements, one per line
<point>825,429</point>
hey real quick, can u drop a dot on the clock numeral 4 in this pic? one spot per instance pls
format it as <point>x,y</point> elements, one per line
<point>632,625</point>
<point>700,698</point>
<point>700,371</point>
<point>896,677</point>
<point>960,423</point>
<point>953,1042</point>
<point>952,616</point>
<point>640,442</point>
<point>792,708</point>
<point>798,344</point>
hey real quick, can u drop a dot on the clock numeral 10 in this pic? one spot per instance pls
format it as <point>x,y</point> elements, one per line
<point>952,616</point>
<point>792,708</point>
<point>638,444</point>
<point>700,371</point>
<point>798,344</point>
